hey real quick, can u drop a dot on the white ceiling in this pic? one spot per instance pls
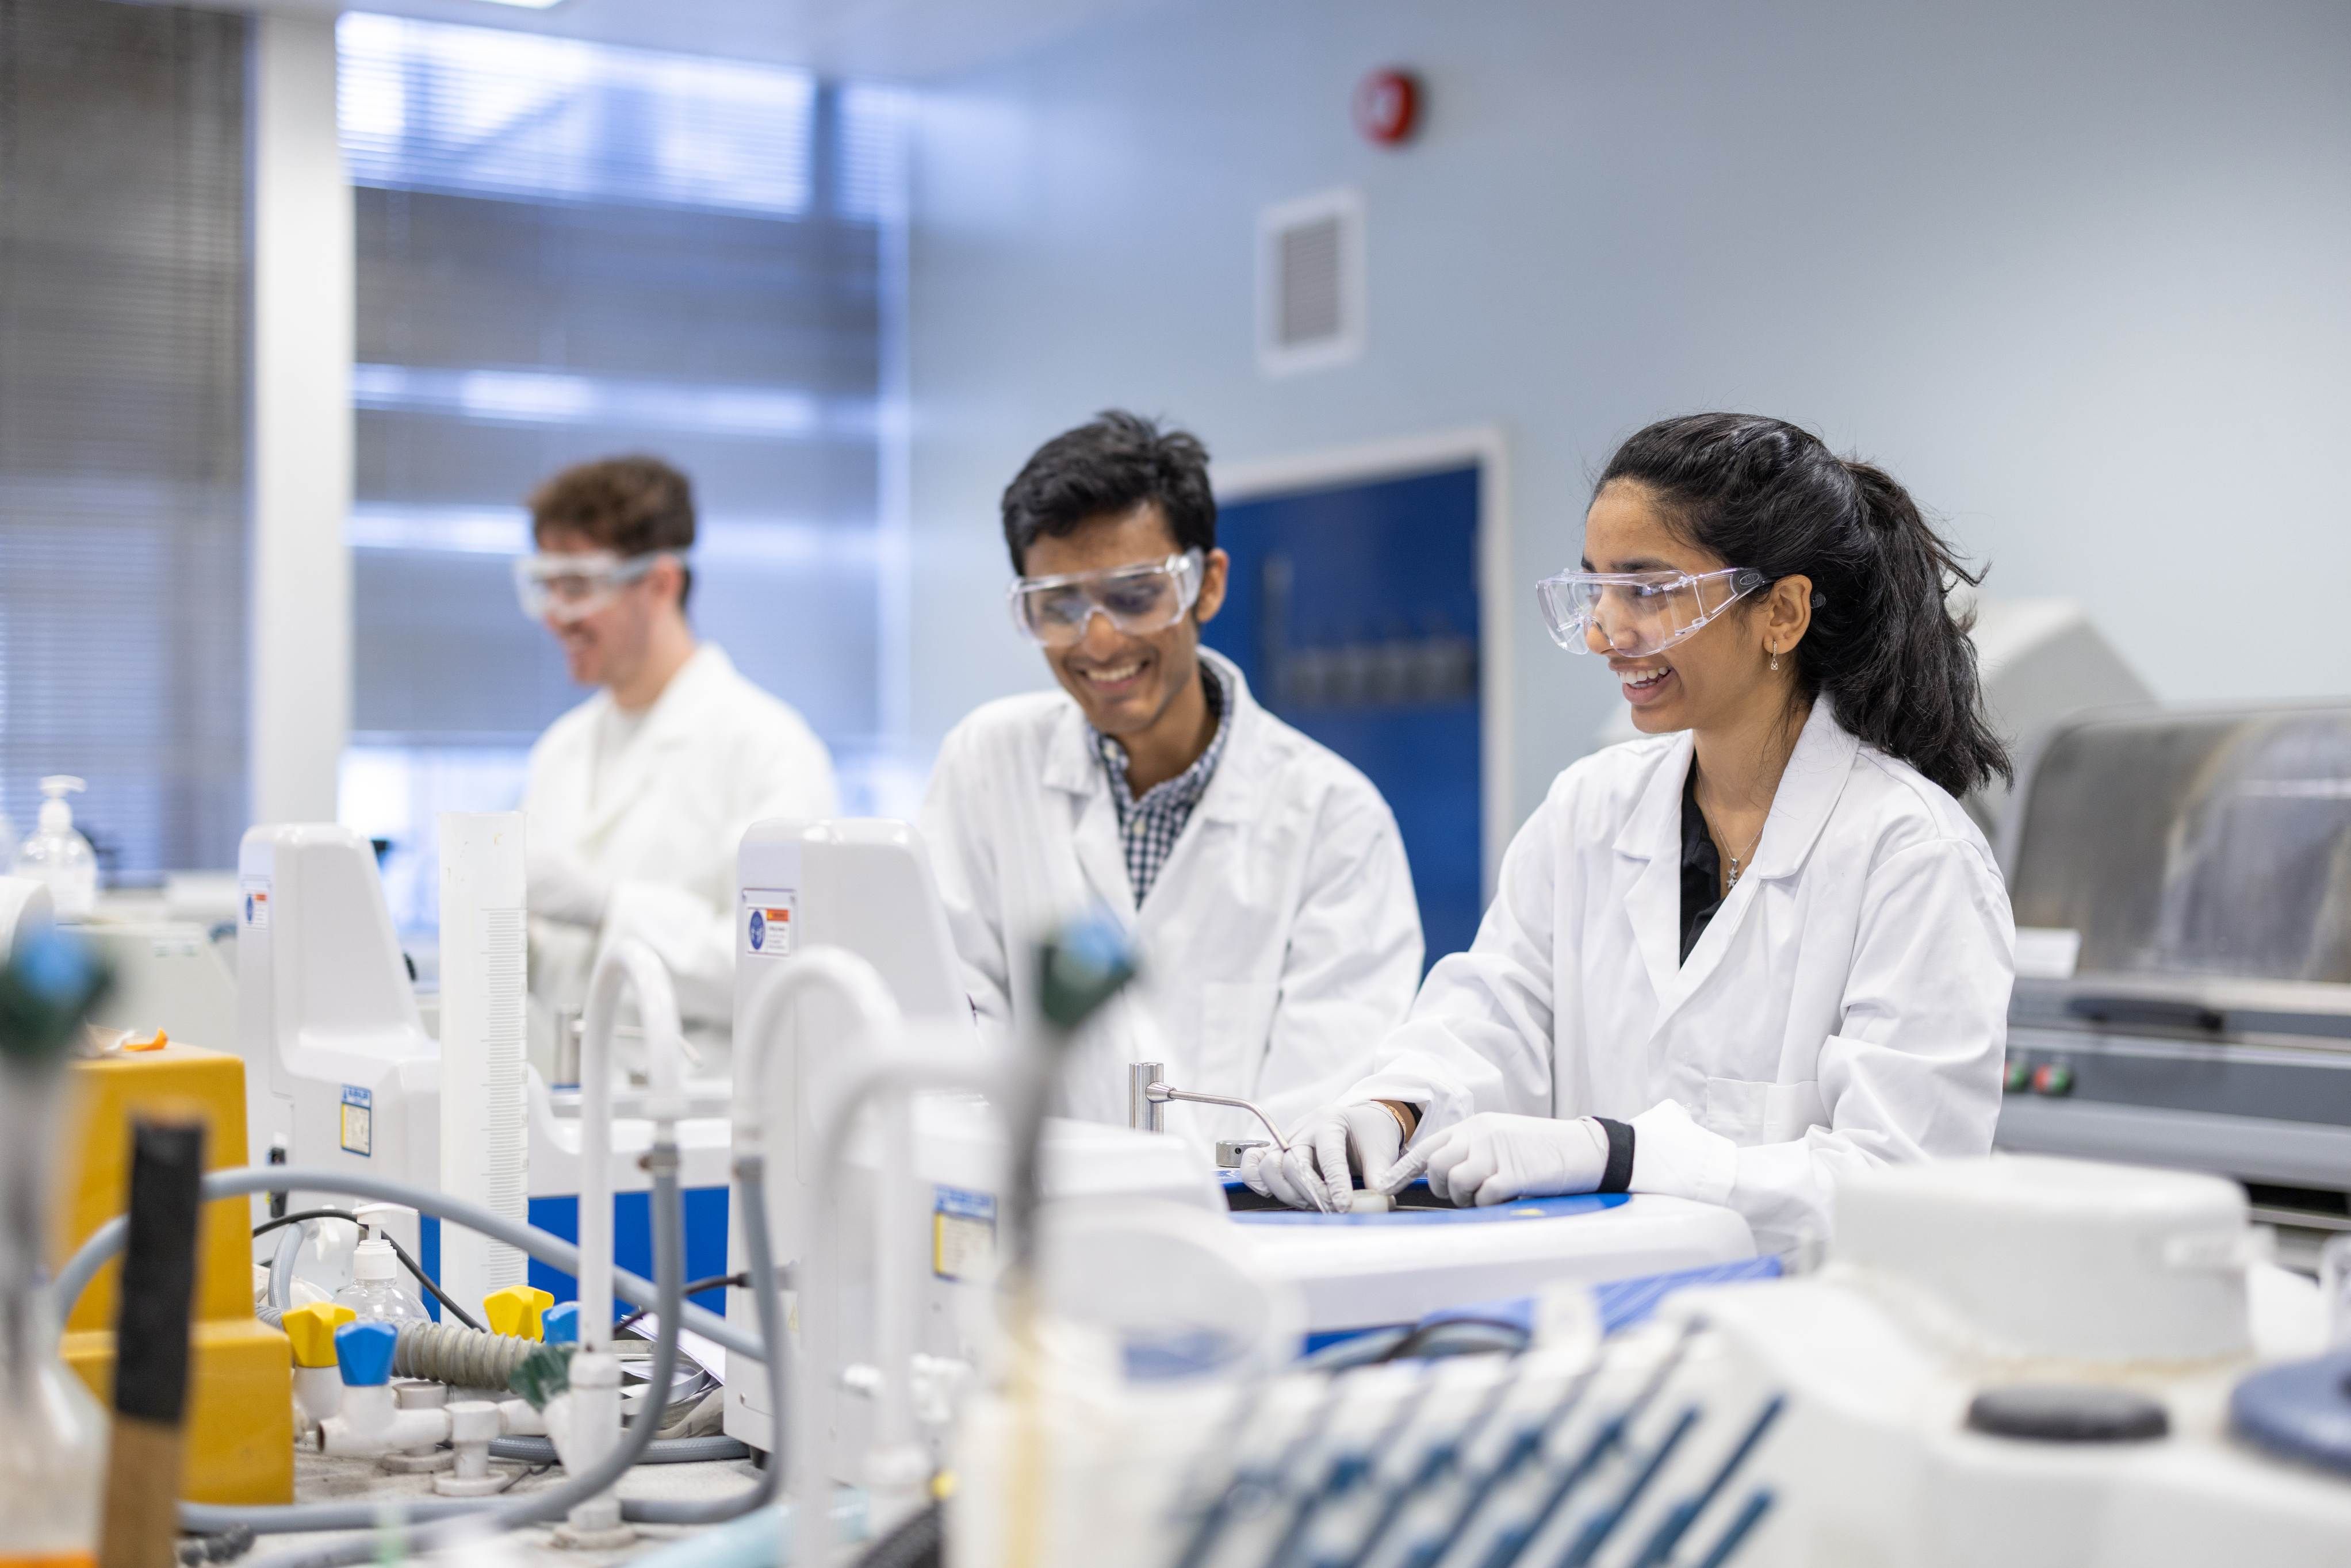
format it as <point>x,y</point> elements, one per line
<point>904,40</point>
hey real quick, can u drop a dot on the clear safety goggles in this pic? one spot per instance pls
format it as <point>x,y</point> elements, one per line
<point>1137,599</point>
<point>1638,612</point>
<point>568,588</point>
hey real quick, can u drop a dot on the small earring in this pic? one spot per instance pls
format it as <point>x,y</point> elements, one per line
<point>1775,659</point>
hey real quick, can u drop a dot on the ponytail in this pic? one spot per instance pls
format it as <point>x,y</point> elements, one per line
<point>1883,647</point>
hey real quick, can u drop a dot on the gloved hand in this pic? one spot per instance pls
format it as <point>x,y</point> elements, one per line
<point>1327,1151</point>
<point>1493,1157</point>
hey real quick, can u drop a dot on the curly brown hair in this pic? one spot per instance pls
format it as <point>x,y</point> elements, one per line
<point>630,506</point>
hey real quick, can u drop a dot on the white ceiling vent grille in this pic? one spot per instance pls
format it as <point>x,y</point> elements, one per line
<point>1310,313</point>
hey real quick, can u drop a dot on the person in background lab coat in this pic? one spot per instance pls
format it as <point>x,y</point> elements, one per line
<point>638,798</point>
<point>1763,946</point>
<point>1263,877</point>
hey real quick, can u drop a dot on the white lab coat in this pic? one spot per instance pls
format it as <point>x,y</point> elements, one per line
<point>1847,1005</point>
<point>661,826</point>
<point>1279,943</point>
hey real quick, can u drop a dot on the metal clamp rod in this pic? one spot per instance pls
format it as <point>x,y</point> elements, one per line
<point>1143,1112</point>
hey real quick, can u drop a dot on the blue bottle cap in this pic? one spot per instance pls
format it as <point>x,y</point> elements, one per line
<point>364,1353</point>
<point>561,1325</point>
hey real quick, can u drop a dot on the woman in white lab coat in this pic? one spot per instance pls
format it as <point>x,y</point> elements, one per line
<point>1759,948</point>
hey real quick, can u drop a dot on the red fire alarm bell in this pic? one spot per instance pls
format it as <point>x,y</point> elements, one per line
<point>1387,107</point>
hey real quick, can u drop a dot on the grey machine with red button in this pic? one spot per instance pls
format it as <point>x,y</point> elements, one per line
<point>2182,886</point>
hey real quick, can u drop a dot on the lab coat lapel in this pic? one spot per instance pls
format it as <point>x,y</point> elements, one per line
<point>1236,792</point>
<point>668,725</point>
<point>1651,843</point>
<point>1815,776</point>
<point>1073,770</point>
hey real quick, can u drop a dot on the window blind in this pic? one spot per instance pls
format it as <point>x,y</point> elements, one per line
<point>123,281</point>
<point>568,251</point>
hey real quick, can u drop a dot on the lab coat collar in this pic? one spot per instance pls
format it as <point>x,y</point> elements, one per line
<point>1815,777</point>
<point>1817,770</point>
<point>1073,767</point>
<point>674,720</point>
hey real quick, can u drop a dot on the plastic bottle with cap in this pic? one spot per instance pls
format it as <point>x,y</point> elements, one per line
<point>375,1294</point>
<point>59,856</point>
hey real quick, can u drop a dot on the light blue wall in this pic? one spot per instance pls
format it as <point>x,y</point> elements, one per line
<point>2079,274</point>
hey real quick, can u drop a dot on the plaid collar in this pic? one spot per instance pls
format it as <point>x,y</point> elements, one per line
<point>1186,788</point>
<point>1151,825</point>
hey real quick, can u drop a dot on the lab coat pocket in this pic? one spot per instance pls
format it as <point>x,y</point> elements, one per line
<point>1236,1017</point>
<point>1749,1112</point>
<point>1735,1107</point>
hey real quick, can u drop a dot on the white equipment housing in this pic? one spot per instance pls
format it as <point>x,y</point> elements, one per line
<point>2010,1362</point>
<point>339,1071</point>
<point>867,887</point>
<point>168,975</point>
<point>339,1068</point>
<point>1371,1271</point>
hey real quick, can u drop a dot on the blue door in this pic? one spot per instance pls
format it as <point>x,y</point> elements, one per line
<point>1354,612</point>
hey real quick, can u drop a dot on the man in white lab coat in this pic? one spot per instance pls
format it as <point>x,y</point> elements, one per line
<point>639,797</point>
<point>1263,876</point>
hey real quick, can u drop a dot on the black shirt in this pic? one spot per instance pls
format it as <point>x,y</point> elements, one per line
<point>1701,867</point>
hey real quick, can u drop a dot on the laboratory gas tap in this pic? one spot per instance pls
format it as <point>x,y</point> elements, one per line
<point>1147,1093</point>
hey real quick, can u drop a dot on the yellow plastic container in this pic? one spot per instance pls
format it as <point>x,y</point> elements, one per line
<point>240,1431</point>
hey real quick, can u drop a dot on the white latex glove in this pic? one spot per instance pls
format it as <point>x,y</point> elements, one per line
<point>561,887</point>
<point>1328,1151</point>
<point>1494,1157</point>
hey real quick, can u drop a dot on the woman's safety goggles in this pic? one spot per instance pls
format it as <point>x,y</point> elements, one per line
<point>568,588</point>
<point>1137,599</point>
<point>1637,613</point>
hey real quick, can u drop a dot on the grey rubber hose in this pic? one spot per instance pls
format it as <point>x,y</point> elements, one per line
<point>751,1190</point>
<point>669,1269</point>
<point>453,1353</point>
<point>553,1250</point>
<point>660,1451</point>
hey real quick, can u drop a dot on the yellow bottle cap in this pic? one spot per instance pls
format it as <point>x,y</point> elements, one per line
<point>517,1311</point>
<point>312,1329</point>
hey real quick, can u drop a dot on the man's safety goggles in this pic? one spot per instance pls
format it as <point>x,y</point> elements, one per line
<point>1137,599</point>
<point>568,588</point>
<point>1637,613</point>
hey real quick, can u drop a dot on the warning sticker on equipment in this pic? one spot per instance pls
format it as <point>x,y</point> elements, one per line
<point>963,1234</point>
<point>256,901</point>
<point>769,916</point>
<point>358,1121</point>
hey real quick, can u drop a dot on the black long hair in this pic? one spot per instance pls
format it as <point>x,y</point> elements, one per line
<point>1884,646</point>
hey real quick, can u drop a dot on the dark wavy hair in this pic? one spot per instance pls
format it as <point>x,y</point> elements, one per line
<point>1884,646</point>
<point>1107,467</point>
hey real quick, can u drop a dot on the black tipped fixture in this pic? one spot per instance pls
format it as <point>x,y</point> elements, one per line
<point>2068,1412</point>
<point>140,1524</point>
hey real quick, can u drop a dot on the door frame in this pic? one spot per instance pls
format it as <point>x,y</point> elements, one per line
<point>1398,457</point>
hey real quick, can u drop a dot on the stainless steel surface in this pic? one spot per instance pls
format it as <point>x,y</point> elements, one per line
<point>2248,1148</point>
<point>1143,1111</point>
<point>2204,859</point>
<point>2194,843</point>
<point>1230,1150</point>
